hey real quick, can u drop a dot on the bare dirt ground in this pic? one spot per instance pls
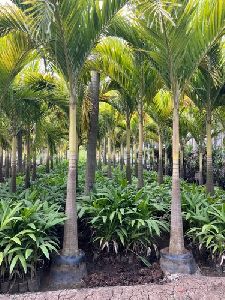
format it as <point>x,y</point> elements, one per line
<point>179,288</point>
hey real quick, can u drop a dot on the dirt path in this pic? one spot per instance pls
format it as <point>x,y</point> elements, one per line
<point>183,288</point>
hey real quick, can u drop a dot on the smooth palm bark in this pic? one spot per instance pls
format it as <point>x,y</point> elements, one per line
<point>166,162</point>
<point>28,162</point>
<point>140,145</point>
<point>200,180</point>
<point>20,151</point>
<point>104,152</point>
<point>145,156</point>
<point>100,157</point>
<point>135,159</point>
<point>160,164</point>
<point>70,239</point>
<point>34,169</point>
<point>209,174</point>
<point>132,155</point>
<point>47,163</point>
<point>7,163</point>
<point>24,157</point>
<point>13,179</point>
<point>92,133</point>
<point>114,155</point>
<point>51,160</point>
<point>128,167</point>
<point>121,156</point>
<point>176,232</point>
<point>109,157</point>
<point>1,164</point>
<point>181,160</point>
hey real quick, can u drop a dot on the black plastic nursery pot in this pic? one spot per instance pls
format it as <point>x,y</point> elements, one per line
<point>177,263</point>
<point>67,272</point>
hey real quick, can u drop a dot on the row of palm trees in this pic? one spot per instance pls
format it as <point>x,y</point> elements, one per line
<point>156,56</point>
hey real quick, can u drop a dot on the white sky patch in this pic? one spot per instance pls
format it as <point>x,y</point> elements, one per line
<point>2,2</point>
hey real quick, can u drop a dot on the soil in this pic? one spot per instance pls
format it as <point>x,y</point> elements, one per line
<point>109,272</point>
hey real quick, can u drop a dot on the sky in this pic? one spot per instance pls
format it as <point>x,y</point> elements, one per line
<point>4,1</point>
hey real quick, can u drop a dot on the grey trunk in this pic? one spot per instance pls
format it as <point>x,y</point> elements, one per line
<point>92,133</point>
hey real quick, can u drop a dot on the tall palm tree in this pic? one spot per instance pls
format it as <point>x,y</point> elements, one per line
<point>170,26</point>
<point>69,29</point>
<point>163,30</point>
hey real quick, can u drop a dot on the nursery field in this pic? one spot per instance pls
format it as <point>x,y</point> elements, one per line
<point>112,160</point>
<point>121,228</point>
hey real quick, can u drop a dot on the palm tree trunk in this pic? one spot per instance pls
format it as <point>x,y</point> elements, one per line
<point>104,152</point>
<point>34,170</point>
<point>70,239</point>
<point>20,151</point>
<point>128,167</point>
<point>114,155</point>
<point>160,164</point>
<point>13,179</point>
<point>121,156</point>
<point>100,157</point>
<point>7,163</point>
<point>51,160</point>
<point>209,176</point>
<point>136,159</point>
<point>109,158</point>
<point>132,155</point>
<point>166,162</point>
<point>140,145</point>
<point>200,166</point>
<point>47,163</point>
<point>176,232</point>
<point>92,133</point>
<point>24,157</point>
<point>1,164</point>
<point>181,160</point>
<point>27,173</point>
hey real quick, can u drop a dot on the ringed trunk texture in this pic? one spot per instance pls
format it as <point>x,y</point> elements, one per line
<point>92,133</point>
<point>176,245</point>
<point>109,158</point>
<point>140,145</point>
<point>20,151</point>
<point>128,167</point>
<point>27,173</point>
<point>70,239</point>
<point>1,165</point>
<point>160,165</point>
<point>13,179</point>
<point>209,174</point>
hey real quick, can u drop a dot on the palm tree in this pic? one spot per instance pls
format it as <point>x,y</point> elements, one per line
<point>69,29</point>
<point>169,54</point>
<point>163,30</point>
